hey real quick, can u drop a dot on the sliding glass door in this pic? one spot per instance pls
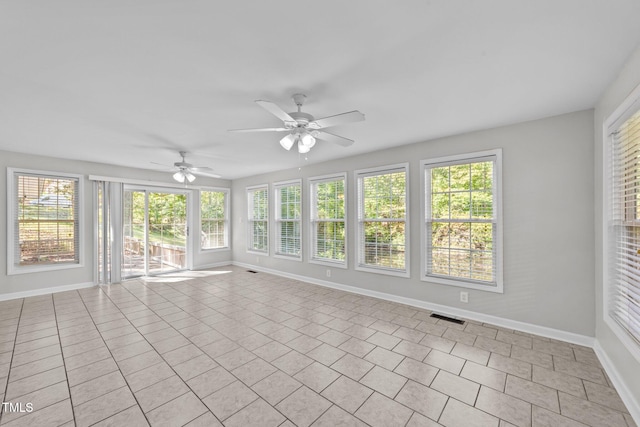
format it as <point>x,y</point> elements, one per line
<point>154,231</point>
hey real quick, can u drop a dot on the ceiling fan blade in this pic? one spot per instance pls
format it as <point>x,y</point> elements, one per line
<point>204,173</point>
<point>260,130</point>
<point>336,139</point>
<point>276,111</point>
<point>205,169</point>
<point>338,119</point>
<point>161,164</point>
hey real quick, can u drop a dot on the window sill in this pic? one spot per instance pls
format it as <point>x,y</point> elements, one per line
<point>204,251</point>
<point>328,263</point>
<point>385,271</point>
<point>254,252</point>
<point>15,270</point>
<point>498,288</point>
<point>289,257</point>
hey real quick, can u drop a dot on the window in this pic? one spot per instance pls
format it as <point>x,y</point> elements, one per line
<point>45,221</point>
<point>462,234</point>
<point>214,219</point>
<point>622,211</point>
<point>382,220</point>
<point>328,232</point>
<point>258,219</point>
<point>288,213</point>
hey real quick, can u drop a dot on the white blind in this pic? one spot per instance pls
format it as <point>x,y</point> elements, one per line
<point>461,223</point>
<point>213,219</point>
<point>258,219</point>
<point>46,225</point>
<point>328,220</point>
<point>288,216</point>
<point>382,218</point>
<point>624,288</point>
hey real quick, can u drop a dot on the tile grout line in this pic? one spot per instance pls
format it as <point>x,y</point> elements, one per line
<point>15,338</point>
<point>114,360</point>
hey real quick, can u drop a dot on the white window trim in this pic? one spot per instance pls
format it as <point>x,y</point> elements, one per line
<point>248,228</point>
<point>227,221</point>
<point>13,269</point>
<point>276,206</point>
<point>361,173</point>
<point>312,232</point>
<point>623,112</point>
<point>457,159</point>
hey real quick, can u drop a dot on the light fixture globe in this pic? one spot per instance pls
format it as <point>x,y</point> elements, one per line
<point>308,140</point>
<point>303,149</point>
<point>287,142</point>
<point>179,176</point>
<point>190,177</point>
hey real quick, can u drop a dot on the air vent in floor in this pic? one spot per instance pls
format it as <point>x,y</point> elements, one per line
<point>251,271</point>
<point>447,318</point>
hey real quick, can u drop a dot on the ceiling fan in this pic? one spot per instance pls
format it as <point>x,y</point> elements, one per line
<point>186,171</point>
<point>302,128</point>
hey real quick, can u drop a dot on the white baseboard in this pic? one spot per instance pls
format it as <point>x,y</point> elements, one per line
<point>212,265</point>
<point>444,309</point>
<point>632,403</point>
<point>44,291</point>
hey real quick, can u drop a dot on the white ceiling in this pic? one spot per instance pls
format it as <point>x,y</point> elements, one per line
<point>129,82</point>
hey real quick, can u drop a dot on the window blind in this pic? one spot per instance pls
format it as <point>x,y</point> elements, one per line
<point>258,219</point>
<point>46,220</point>
<point>288,216</point>
<point>461,224</point>
<point>328,220</point>
<point>213,219</point>
<point>382,219</point>
<point>624,286</point>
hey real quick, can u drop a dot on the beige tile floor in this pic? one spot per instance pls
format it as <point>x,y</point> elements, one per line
<point>233,348</point>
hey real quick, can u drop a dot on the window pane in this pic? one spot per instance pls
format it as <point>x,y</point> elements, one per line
<point>47,223</point>
<point>461,226</point>
<point>328,216</point>
<point>384,244</point>
<point>212,219</point>
<point>258,219</point>
<point>289,198</point>
<point>383,204</point>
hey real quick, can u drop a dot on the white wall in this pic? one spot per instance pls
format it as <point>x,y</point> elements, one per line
<point>623,361</point>
<point>74,276</point>
<point>548,222</point>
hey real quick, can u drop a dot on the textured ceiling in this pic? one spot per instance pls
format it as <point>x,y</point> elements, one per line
<point>131,82</point>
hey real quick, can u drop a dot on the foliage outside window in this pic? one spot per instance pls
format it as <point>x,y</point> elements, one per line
<point>288,214</point>
<point>461,220</point>
<point>328,220</point>
<point>213,220</point>
<point>382,218</point>
<point>623,288</point>
<point>45,220</point>
<point>258,219</point>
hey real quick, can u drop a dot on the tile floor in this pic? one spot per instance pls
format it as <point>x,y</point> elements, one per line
<point>232,348</point>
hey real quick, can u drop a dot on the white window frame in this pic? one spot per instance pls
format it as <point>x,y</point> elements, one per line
<point>277,188</point>
<point>314,220</point>
<point>227,222</point>
<point>626,109</point>
<point>249,191</point>
<point>382,170</point>
<point>425,165</point>
<point>12,267</point>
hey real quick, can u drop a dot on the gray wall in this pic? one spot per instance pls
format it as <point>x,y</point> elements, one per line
<point>548,222</point>
<point>627,366</point>
<point>34,281</point>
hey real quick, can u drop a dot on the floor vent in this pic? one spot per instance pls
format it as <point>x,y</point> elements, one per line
<point>447,318</point>
<point>251,271</point>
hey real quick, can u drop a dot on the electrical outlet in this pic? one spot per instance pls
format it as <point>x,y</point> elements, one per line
<point>464,296</point>
<point>328,273</point>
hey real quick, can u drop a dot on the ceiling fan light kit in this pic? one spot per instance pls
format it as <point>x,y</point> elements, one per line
<point>183,171</point>
<point>303,128</point>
